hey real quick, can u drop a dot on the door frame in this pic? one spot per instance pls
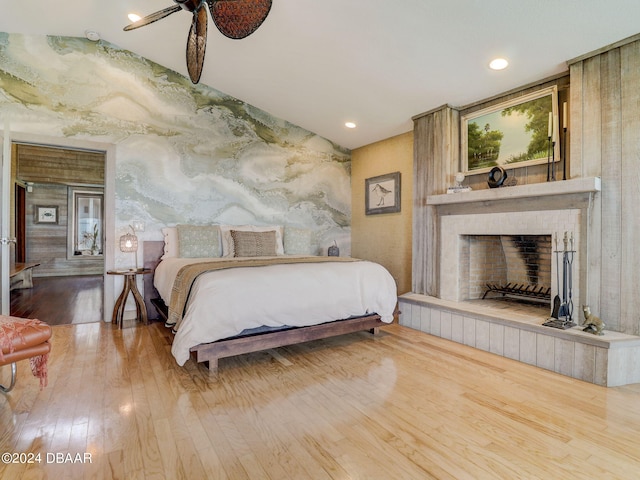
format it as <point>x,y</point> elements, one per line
<point>5,226</point>
<point>19,213</point>
<point>109,150</point>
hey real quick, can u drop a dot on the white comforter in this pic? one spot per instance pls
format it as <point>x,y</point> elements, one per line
<point>223,303</point>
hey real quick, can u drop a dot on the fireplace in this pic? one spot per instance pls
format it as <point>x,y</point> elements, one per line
<point>506,267</point>
<point>504,247</point>
<point>458,223</point>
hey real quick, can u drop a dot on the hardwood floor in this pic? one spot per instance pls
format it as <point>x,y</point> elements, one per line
<point>402,405</point>
<point>61,300</point>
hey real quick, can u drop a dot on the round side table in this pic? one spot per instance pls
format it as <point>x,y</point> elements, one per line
<point>129,287</point>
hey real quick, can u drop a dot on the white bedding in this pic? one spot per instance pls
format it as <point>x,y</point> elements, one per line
<point>223,303</point>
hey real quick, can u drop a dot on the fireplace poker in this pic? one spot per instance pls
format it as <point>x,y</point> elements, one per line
<point>556,300</point>
<point>563,312</point>
<point>570,254</point>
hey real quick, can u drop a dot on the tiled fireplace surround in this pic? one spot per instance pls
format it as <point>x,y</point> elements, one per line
<point>609,360</point>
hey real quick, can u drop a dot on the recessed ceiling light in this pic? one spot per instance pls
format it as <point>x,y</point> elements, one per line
<point>350,125</point>
<point>134,17</point>
<point>498,64</point>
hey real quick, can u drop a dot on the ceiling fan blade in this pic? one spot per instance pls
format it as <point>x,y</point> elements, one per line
<point>154,17</point>
<point>197,43</point>
<point>238,18</point>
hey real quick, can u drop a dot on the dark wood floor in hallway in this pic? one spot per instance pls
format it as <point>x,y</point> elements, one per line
<point>61,300</point>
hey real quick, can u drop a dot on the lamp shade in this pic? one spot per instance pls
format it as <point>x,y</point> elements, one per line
<point>128,243</point>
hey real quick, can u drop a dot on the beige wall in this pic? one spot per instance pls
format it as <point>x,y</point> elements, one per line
<point>384,238</point>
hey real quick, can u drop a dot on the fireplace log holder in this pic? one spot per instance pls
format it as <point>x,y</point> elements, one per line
<point>531,292</point>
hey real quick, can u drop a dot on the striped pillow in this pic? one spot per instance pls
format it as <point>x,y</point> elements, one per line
<point>253,244</point>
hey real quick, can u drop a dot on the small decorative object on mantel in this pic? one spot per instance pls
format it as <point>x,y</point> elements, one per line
<point>592,324</point>
<point>334,251</point>
<point>497,176</point>
<point>458,187</point>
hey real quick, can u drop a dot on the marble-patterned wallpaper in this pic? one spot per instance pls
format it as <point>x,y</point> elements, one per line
<point>184,153</point>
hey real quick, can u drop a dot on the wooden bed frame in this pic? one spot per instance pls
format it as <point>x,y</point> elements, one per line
<point>212,352</point>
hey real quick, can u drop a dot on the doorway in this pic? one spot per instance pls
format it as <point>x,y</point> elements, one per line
<point>50,235</point>
<point>59,225</point>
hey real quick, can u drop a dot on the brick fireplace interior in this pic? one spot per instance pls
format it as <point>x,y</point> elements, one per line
<point>516,267</point>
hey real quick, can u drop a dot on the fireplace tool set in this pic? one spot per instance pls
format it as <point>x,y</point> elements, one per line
<point>562,312</point>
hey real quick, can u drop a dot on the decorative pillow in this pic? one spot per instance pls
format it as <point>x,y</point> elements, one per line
<point>227,241</point>
<point>170,242</point>
<point>298,241</point>
<point>253,244</point>
<point>198,241</point>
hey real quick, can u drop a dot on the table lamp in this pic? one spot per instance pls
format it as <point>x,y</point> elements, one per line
<point>129,243</point>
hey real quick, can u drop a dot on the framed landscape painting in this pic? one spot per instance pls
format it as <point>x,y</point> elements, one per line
<point>512,134</point>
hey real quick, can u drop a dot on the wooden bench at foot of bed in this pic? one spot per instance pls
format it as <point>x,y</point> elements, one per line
<point>212,352</point>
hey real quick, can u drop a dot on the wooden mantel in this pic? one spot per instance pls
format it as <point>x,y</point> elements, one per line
<point>565,187</point>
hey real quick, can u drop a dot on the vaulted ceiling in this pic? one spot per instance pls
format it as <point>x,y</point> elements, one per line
<point>320,63</point>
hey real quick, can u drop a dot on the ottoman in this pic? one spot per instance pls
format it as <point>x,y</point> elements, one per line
<point>21,339</point>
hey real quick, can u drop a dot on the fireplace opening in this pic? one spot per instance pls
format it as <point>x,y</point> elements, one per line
<point>507,267</point>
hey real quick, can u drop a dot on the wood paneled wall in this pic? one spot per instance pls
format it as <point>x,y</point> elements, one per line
<point>47,243</point>
<point>605,142</point>
<point>603,139</point>
<point>437,158</point>
<point>436,153</point>
<point>50,170</point>
<point>44,164</point>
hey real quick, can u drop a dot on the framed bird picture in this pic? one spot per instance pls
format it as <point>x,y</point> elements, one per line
<point>382,194</point>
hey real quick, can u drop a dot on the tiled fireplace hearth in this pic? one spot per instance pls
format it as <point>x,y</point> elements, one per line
<point>545,211</point>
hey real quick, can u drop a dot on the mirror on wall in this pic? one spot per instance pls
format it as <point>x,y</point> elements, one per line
<point>86,222</point>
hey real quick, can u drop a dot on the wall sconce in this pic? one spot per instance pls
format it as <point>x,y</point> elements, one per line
<point>129,243</point>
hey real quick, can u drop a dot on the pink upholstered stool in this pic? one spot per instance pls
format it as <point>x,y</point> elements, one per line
<point>22,338</point>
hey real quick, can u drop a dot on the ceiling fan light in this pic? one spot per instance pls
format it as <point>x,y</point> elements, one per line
<point>350,125</point>
<point>134,17</point>
<point>498,64</point>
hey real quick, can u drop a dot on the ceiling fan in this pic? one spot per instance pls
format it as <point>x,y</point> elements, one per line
<point>234,18</point>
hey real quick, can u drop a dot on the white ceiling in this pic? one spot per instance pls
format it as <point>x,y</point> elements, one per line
<point>319,63</point>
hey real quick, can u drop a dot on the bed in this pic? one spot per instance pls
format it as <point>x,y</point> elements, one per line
<point>224,305</point>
